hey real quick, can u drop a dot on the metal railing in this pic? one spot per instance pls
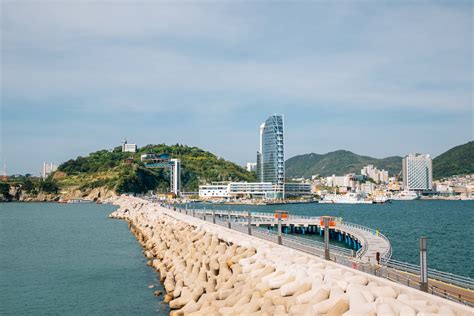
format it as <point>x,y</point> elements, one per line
<point>268,218</point>
<point>445,277</point>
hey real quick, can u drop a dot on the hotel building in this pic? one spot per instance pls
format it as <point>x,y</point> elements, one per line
<point>417,172</point>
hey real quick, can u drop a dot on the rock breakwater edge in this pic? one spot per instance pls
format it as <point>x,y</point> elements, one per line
<point>207,269</point>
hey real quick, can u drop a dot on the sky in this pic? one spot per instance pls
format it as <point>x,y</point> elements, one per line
<point>378,78</point>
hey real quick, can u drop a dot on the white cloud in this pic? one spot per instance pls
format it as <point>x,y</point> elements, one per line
<point>213,60</point>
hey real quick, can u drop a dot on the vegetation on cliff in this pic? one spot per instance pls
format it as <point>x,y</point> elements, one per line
<point>16,186</point>
<point>124,172</point>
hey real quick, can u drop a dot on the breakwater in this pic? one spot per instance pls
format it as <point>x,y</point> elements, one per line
<point>208,269</point>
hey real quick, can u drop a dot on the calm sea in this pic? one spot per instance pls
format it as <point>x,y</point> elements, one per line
<point>449,226</point>
<point>71,259</point>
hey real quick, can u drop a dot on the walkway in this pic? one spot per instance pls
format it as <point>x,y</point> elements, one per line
<point>369,240</point>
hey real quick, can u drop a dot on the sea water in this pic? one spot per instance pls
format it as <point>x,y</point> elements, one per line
<point>70,259</point>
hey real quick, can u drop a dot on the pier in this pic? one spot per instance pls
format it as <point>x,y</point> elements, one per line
<point>365,242</point>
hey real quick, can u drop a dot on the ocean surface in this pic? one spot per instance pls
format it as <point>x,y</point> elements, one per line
<point>449,226</point>
<point>70,259</point>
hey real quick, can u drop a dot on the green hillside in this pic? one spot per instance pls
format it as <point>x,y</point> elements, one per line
<point>109,169</point>
<point>456,161</point>
<point>338,162</point>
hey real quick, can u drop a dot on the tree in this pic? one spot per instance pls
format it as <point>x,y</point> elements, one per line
<point>49,186</point>
<point>5,191</point>
<point>28,185</point>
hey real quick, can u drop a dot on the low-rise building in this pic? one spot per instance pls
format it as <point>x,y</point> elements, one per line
<point>214,191</point>
<point>126,147</point>
<point>251,190</point>
<point>298,189</point>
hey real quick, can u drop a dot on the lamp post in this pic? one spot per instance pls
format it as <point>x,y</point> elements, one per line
<point>424,264</point>
<point>249,218</point>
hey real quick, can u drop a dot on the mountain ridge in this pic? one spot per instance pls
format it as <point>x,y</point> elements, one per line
<point>454,161</point>
<point>337,162</point>
<point>458,160</point>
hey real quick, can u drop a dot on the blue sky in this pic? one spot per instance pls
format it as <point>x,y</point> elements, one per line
<point>377,78</point>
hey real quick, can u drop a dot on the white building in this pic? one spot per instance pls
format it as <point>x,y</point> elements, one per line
<point>251,166</point>
<point>379,176</point>
<point>251,189</point>
<point>338,181</point>
<point>211,191</point>
<point>126,147</point>
<point>48,169</point>
<point>417,172</point>
<point>221,190</point>
<point>367,187</point>
<point>175,166</point>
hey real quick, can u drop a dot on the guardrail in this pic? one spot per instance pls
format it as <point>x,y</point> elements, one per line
<point>449,278</point>
<point>240,216</point>
<point>439,283</point>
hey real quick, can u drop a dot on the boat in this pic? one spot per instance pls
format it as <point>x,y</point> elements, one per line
<point>75,201</point>
<point>349,198</point>
<point>380,199</point>
<point>406,196</point>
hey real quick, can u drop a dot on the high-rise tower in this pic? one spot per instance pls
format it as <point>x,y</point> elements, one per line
<point>417,172</point>
<point>271,155</point>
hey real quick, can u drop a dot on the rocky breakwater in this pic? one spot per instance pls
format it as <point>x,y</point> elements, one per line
<point>208,269</point>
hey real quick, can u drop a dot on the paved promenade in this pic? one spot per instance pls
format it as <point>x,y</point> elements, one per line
<point>371,241</point>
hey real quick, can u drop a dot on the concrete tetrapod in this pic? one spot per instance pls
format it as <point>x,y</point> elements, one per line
<point>209,269</point>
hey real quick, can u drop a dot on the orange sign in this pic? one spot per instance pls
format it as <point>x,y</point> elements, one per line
<point>281,214</point>
<point>332,222</point>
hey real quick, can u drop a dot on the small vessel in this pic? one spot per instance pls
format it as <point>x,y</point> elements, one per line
<point>75,201</point>
<point>349,198</point>
<point>379,199</point>
<point>406,196</point>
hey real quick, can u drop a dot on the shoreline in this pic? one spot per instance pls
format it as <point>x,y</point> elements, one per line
<point>264,278</point>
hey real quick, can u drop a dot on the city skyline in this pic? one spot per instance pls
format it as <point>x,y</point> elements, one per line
<point>378,80</point>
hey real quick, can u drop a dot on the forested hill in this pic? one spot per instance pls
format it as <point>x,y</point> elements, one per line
<point>456,161</point>
<point>110,169</point>
<point>338,162</point>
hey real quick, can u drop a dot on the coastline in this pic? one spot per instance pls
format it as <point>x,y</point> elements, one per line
<point>231,272</point>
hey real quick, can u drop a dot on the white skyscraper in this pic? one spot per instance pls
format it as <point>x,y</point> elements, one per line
<point>417,172</point>
<point>271,154</point>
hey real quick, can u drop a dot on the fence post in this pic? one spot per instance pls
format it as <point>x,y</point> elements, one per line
<point>423,264</point>
<point>249,217</point>
<point>194,213</point>
<point>204,214</point>
<point>326,239</point>
<point>279,230</point>
<point>228,222</point>
<point>186,206</point>
<point>213,216</point>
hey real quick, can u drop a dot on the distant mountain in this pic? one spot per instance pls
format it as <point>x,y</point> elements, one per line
<point>338,162</point>
<point>456,161</point>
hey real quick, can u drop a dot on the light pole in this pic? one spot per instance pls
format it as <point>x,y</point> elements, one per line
<point>424,264</point>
